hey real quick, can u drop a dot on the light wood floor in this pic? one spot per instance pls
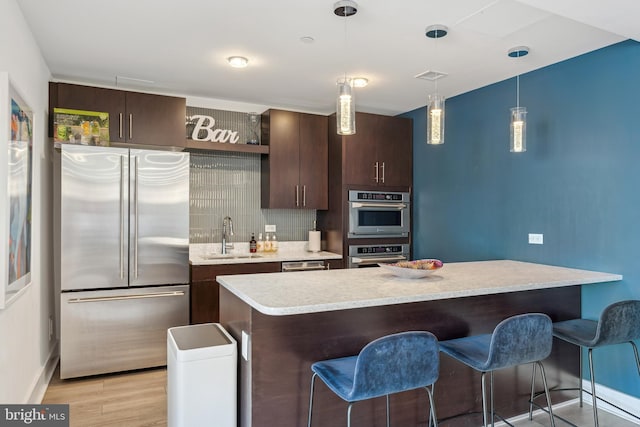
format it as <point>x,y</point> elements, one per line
<point>135,399</point>
<point>139,399</point>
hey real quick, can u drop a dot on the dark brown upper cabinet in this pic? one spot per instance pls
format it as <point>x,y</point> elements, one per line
<point>379,154</point>
<point>294,174</point>
<point>134,118</point>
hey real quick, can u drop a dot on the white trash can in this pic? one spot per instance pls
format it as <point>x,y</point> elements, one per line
<point>201,376</point>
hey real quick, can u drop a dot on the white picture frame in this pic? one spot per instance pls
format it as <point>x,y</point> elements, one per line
<point>16,191</point>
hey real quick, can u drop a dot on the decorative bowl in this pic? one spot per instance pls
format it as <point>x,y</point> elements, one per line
<point>413,269</point>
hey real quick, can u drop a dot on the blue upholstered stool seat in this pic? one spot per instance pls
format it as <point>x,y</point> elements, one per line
<point>391,364</point>
<point>525,338</point>
<point>619,323</point>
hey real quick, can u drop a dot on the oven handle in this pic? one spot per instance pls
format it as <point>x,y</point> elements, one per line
<point>378,205</point>
<point>376,260</point>
<point>308,268</point>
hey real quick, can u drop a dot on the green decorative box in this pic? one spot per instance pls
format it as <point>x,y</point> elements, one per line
<point>80,127</point>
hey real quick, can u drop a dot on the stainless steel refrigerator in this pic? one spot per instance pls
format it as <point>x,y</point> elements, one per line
<point>124,256</point>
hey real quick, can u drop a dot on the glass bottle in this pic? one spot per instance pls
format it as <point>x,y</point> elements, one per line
<point>274,244</point>
<point>259,244</point>
<point>267,243</point>
<point>253,135</point>
<point>253,246</point>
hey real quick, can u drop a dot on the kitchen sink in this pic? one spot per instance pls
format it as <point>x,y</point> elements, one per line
<point>230,256</point>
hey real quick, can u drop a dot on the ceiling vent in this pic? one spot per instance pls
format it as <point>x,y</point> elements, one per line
<point>431,75</point>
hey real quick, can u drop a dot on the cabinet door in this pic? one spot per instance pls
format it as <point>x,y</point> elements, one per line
<point>281,180</point>
<point>89,98</point>
<point>155,119</point>
<point>395,147</point>
<point>314,153</point>
<point>360,151</point>
<point>205,291</point>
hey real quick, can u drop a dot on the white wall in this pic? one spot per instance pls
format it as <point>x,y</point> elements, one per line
<point>26,352</point>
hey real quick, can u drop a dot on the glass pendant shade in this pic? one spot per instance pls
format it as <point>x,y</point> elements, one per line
<point>345,108</point>
<point>435,120</point>
<point>518,130</point>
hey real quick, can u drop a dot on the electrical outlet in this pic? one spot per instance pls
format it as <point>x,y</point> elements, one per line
<point>270,228</point>
<point>536,239</point>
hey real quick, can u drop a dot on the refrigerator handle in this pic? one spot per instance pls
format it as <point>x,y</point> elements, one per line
<point>127,297</point>
<point>122,217</point>
<point>135,220</point>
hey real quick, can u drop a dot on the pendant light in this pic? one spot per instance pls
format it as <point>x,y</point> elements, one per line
<point>518,122</point>
<point>435,102</point>
<point>345,105</point>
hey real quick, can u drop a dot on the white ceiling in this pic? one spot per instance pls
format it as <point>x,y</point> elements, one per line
<point>182,45</point>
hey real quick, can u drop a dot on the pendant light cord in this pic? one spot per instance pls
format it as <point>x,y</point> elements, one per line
<point>345,41</point>
<point>435,81</point>
<point>518,91</point>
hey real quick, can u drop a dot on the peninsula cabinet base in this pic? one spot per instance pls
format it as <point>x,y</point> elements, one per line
<point>274,382</point>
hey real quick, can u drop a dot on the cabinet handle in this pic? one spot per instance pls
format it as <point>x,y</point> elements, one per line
<point>120,127</point>
<point>130,126</point>
<point>383,172</point>
<point>304,195</point>
<point>376,168</point>
<point>297,195</point>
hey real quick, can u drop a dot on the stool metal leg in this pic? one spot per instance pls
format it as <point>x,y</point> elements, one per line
<point>484,399</point>
<point>349,414</point>
<point>580,377</point>
<point>635,352</point>
<point>593,389</point>
<point>493,412</point>
<point>546,392</point>
<point>388,418</point>
<point>533,387</point>
<point>313,380</point>
<point>432,407</point>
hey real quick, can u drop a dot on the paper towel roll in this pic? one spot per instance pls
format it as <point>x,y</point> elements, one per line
<point>314,241</point>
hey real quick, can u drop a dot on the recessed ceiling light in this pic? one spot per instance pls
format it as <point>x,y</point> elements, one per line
<point>360,81</point>
<point>238,61</point>
<point>307,39</point>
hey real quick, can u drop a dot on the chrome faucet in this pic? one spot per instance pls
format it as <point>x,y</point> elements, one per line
<point>226,222</point>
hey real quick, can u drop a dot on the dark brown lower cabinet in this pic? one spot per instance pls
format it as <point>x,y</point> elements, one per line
<point>205,291</point>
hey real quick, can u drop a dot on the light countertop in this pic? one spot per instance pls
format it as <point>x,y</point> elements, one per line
<point>209,254</point>
<point>280,294</point>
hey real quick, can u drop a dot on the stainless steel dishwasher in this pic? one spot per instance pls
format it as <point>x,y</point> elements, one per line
<point>291,266</point>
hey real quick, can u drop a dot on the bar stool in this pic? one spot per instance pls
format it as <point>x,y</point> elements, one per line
<point>391,364</point>
<point>525,338</point>
<point>619,323</point>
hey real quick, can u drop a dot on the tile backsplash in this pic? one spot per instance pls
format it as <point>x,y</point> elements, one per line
<point>228,184</point>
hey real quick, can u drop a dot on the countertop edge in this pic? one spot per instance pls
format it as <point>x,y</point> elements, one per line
<point>598,277</point>
<point>310,256</point>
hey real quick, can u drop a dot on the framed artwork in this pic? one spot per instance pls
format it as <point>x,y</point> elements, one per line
<point>16,164</point>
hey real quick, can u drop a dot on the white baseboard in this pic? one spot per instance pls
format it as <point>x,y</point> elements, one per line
<point>628,403</point>
<point>39,387</point>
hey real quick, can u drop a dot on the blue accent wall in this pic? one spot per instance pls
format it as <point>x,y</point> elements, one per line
<point>578,183</point>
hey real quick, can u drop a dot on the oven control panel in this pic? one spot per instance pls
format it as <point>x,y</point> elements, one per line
<point>377,196</point>
<point>356,250</point>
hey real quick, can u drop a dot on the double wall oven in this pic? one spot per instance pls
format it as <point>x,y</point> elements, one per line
<point>378,229</point>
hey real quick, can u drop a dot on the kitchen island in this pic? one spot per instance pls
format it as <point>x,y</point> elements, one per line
<point>290,320</point>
